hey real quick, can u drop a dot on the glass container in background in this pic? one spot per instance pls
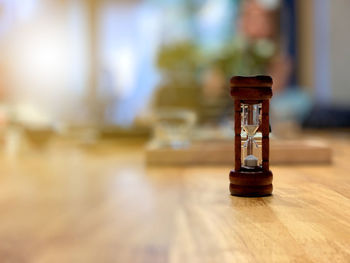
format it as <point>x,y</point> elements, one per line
<point>173,128</point>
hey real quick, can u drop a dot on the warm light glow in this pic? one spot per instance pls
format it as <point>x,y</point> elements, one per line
<point>40,57</point>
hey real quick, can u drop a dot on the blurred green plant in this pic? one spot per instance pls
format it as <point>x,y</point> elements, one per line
<point>183,66</point>
<point>244,57</point>
<point>179,66</point>
<point>179,62</point>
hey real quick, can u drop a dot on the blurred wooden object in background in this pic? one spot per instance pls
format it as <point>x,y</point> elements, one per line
<point>222,152</point>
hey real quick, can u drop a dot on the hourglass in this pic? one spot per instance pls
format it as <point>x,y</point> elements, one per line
<point>250,124</point>
<point>251,176</point>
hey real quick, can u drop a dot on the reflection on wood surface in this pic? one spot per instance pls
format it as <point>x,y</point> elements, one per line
<point>100,203</point>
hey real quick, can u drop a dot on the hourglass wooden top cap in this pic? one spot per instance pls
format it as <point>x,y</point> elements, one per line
<point>251,88</point>
<point>251,81</point>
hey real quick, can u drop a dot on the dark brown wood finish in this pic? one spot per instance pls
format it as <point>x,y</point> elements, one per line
<point>237,134</point>
<point>265,129</point>
<point>258,181</point>
<point>251,93</point>
<point>256,81</point>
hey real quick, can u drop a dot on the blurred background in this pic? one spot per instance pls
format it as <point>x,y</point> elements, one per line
<point>105,103</point>
<point>123,68</point>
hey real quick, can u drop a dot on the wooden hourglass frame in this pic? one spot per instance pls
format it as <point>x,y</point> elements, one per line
<point>256,180</point>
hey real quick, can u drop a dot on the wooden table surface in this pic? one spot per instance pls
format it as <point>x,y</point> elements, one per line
<point>102,204</point>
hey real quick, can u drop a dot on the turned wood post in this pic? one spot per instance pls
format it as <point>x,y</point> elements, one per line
<point>237,134</point>
<point>265,130</point>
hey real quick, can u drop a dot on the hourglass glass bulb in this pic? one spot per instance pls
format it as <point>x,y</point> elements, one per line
<point>250,124</point>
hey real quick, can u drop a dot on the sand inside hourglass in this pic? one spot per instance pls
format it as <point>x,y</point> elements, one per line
<point>250,129</point>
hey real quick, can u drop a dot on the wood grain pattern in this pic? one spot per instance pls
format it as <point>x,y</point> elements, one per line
<point>102,204</point>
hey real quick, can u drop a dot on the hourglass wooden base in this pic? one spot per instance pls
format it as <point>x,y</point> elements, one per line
<point>251,183</point>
